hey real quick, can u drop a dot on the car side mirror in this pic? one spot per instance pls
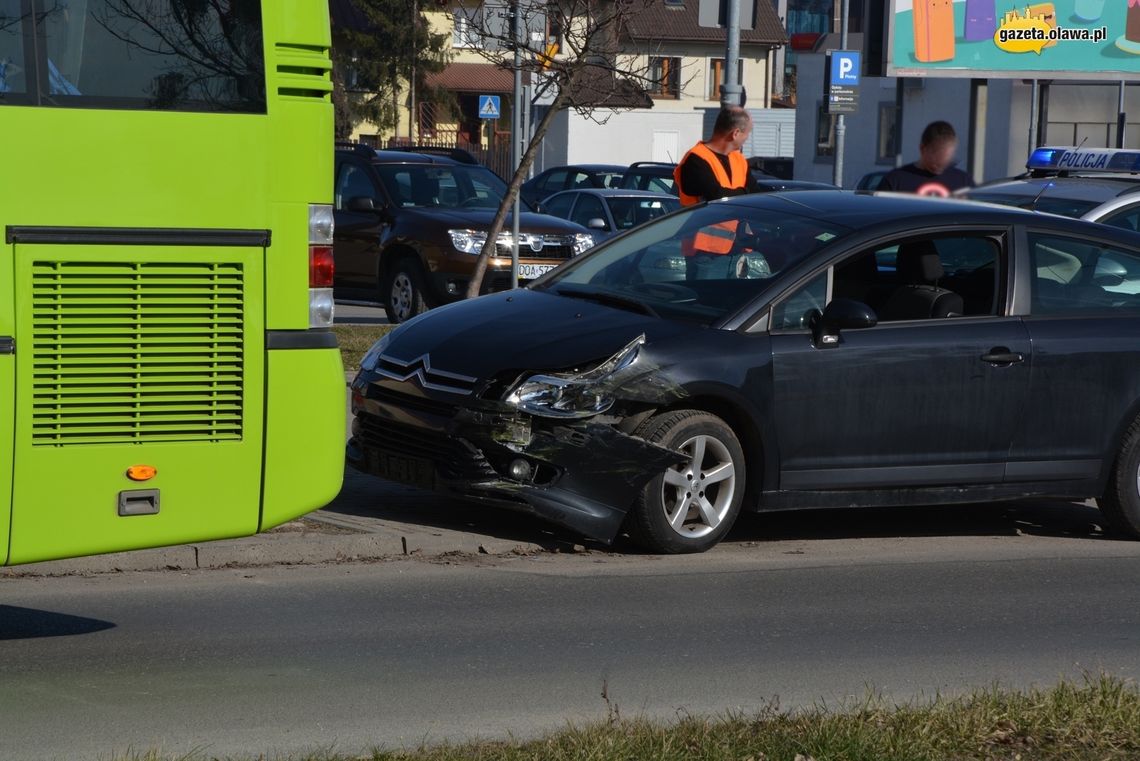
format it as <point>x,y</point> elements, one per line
<point>597,223</point>
<point>361,203</point>
<point>840,315</point>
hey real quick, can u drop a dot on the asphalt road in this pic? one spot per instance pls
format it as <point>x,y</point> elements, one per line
<point>286,659</point>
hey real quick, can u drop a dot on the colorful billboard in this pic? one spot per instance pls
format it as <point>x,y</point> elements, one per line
<point>997,39</point>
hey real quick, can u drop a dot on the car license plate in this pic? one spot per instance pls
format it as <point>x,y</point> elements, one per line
<point>412,471</point>
<point>531,271</point>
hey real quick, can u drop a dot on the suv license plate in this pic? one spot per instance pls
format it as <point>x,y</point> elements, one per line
<point>531,271</point>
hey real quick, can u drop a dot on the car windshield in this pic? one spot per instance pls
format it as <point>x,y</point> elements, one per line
<point>698,265</point>
<point>1066,207</point>
<point>633,211</point>
<point>442,186</point>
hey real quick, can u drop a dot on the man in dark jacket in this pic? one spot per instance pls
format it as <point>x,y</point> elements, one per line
<point>934,174</point>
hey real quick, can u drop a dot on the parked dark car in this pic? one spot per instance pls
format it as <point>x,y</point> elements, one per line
<point>409,227</point>
<point>658,177</point>
<point>654,176</point>
<point>561,178</point>
<point>898,351</point>
<point>870,181</point>
<point>770,184</point>
<point>609,212</point>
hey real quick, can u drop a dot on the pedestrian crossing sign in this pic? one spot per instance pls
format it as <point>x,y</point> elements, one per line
<point>488,106</point>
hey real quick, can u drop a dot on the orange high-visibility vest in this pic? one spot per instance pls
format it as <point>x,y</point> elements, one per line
<point>718,238</point>
<point>736,162</point>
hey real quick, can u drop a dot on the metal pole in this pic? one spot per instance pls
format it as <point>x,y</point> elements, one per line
<point>730,91</point>
<point>516,136</point>
<point>841,121</point>
<point>1043,113</point>
<point>412,80</point>
<point>900,87</point>
<point>976,160</point>
<point>1121,117</point>
<point>1032,117</point>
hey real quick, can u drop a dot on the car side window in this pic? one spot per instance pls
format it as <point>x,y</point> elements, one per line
<point>353,182</point>
<point>581,180</point>
<point>795,311</point>
<point>587,208</point>
<point>924,278</point>
<point>1127,218</point>
<point>1073,276</point>
<point>559,205</point>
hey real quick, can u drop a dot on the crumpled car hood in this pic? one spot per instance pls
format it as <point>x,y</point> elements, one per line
<point>521,330</point>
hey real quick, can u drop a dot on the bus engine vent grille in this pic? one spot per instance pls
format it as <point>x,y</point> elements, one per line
<point>128,352</point>
<point>303,71</point>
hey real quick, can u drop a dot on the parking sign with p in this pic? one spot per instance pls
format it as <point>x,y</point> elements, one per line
<point>841,91</point>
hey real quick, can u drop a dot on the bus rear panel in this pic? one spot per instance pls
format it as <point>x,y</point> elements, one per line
<point>166,367</point>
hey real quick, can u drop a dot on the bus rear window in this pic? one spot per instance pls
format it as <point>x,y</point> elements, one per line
<point>167,55</point>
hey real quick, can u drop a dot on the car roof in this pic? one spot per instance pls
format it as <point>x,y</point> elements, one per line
<point>618,168</point>
<point>1098,188</point>
<point>653,168</point>
<point>858,210</point>
<point>619,193</point>
<point>380,156</point>
<point>410,157</point>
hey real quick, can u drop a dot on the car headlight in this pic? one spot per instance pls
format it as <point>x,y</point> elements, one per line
<point>373,355</point>
<point>578,395</point>
<point>468,241</point>
<point>582,242</point>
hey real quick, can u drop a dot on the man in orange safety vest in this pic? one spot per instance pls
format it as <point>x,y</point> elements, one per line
<point>716,169</point>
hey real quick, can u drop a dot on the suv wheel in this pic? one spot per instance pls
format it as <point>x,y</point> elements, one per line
<point>1120,504</point>
<point>689,507</point>
<point>403,290</point>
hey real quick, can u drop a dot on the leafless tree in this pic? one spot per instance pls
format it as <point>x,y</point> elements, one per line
<point>578,53</point>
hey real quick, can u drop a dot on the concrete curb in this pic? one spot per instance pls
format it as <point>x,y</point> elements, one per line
<point>287,548</point>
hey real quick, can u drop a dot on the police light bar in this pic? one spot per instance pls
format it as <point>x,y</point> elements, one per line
<point>1064,159</point>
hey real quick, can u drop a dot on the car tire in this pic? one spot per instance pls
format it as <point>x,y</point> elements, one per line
<point>688,508</point>
<point>402,290</point>
<point>1120,504</point>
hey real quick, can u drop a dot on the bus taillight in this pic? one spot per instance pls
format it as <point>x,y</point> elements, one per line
<point>320,265</point>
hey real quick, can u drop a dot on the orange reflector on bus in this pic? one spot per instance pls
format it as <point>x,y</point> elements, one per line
<point>141,472</point>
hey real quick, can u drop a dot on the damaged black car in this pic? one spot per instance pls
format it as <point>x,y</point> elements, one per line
<point>816,349</point>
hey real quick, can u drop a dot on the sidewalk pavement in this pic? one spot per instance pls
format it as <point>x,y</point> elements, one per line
<point>370,520</point>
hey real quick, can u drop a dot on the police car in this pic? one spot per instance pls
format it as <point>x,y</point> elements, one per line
<point>1100,185</point>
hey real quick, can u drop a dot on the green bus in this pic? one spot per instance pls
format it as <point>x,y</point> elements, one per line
<point>167,367</point>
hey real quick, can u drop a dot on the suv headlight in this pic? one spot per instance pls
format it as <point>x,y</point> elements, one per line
<point>582,242</point>
<point>468,241</point>
<point>577,395</point>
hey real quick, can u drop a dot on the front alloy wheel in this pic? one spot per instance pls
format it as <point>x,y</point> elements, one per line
<point>691,506</point>
<point>697,495</point>
<point>404,291</point>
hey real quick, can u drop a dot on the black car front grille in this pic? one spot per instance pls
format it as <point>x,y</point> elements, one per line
<point>453,458</point>
<point>399,400</point>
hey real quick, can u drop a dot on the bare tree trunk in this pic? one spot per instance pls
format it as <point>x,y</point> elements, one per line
<point>476,283</point>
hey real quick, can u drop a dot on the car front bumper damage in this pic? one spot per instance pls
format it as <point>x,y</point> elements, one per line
<point>582,475</point>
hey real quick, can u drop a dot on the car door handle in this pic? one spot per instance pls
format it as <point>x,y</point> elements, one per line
<point>7,345</point>
<point>1002,356</point>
